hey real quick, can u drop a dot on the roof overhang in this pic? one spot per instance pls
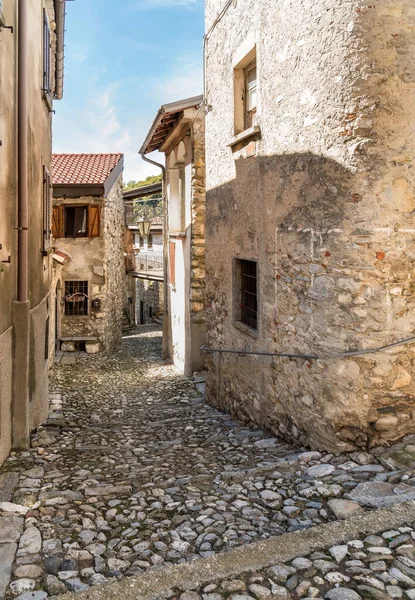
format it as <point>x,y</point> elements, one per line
<point>60,45</point>
<point>77,190</point>
<point>143,191</point>
<point>166,119</point>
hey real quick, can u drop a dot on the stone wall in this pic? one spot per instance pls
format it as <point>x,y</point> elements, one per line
<point>150,293</point>
<point>322,198</point>
<point>114,265</point>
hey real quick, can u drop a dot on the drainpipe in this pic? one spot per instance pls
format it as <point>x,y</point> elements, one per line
<point>166,329</point>
<point>60,30</point>
<point>21,306</point>
<point>22,161</point>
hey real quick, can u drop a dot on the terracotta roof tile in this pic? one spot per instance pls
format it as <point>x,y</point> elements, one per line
<point>72,169</point>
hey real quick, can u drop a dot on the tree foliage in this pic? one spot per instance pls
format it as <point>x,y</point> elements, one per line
<point>131,185</point>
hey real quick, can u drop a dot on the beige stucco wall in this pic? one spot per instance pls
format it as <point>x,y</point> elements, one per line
<point>104,252</point>
<point>323,200</point>
<point>6,340</point>
<point>39,148</point>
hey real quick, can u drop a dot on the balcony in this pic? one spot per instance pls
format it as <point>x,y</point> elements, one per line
<point>147,265</point>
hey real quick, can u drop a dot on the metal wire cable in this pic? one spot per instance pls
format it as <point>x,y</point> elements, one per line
<point>312,356</point>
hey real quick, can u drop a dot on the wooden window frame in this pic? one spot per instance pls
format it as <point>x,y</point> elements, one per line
<point>93,221</point>
<point>250,113</point>
<point>78,207</point>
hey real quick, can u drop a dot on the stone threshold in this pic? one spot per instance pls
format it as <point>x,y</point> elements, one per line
<point>252,557</point>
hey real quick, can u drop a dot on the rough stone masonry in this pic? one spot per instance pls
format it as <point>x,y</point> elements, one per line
<point>322,197</point>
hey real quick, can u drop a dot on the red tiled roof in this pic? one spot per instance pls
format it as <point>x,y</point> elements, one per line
<point>72,169</point>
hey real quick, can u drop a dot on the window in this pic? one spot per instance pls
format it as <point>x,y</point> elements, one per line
<point>250,95</point>
<point>76,220</point>
<point>46,57</point>
<point>76,298</point>
<point>150,242</point>
<point>245,91</point>
<point>246,306</point>
<point>47,232</point>
<point>141,241</point>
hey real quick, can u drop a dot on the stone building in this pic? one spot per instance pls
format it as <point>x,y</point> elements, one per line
<point>310,145</point>
<point>31,77</point>
<point>143,245</point>
<point>88,230</point>
<point>178,132</point>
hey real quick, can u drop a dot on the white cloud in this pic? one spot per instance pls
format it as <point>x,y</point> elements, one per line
<point>185,82</point>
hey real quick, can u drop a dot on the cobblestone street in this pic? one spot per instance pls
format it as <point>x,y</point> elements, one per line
<point>133,471</point>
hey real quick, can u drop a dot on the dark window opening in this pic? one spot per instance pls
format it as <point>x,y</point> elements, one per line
<point>150,312</point>
<point>76,221</point>
<point>47,339</point>
<point>76,298</point>
<point>248,293</point>
<point>150,241</point>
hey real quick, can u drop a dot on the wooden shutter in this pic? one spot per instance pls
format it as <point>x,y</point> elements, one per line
<point>46,54</point>
<point>46,209</point>
<point>57,221</point>
<point>94,215</point>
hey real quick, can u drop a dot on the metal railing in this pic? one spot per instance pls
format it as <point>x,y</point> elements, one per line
<point>148,264</point>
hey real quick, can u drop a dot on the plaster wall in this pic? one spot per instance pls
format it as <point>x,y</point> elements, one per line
<point>39,152</point>
<point>322,198</point>
<point>6,341</point>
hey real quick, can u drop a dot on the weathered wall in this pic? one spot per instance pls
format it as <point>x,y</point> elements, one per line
<point>112,301</point>
<point>100,261</point>
<point>187,297</point>
<point>39,149</point>
<point>6,341</point>
<point>323,200</point>
<point>150,293</point>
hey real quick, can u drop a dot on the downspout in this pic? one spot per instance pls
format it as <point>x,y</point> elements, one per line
<point>22,160</point>
<point>166,331</point>
<point>21,306</point>
<point>60,30</point>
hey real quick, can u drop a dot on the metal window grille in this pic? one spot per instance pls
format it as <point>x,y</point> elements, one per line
<point>249,293</point>
<point>76,298</point>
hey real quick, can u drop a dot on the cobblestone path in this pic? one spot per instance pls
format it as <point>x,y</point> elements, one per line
<point>135,471</point>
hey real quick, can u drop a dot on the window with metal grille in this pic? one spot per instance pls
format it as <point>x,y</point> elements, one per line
<point>47,232</point>
<point>246,271</point>
<point>76,298</point>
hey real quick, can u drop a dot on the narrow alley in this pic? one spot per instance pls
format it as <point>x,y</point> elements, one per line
<point>134,471</point>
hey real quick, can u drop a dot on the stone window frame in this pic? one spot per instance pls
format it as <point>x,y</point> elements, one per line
<point>237,320</point>
<point>245,126</point>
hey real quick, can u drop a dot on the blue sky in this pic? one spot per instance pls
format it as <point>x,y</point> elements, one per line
<point>123,60</point>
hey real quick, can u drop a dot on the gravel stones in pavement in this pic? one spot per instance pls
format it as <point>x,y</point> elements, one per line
<point>134,471</point>
<point>356,570</point>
